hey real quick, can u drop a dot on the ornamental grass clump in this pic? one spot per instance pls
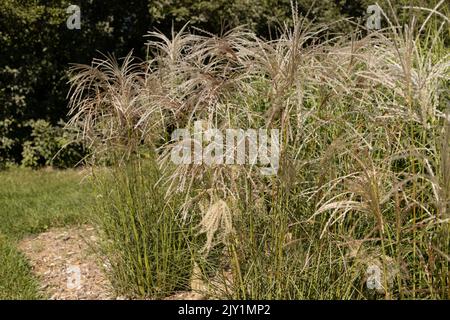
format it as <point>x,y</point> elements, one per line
<point>358,206</point>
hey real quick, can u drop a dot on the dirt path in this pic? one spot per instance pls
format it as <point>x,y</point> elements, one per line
<point>66,265</point>
<point>64,261</point>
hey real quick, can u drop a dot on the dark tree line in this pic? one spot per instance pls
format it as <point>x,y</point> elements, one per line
<point>36,48</point>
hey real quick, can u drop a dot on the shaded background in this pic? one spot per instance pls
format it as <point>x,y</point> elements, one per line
<point>36,49</point>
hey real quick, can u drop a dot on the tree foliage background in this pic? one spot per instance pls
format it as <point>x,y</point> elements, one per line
<point>36,49</point>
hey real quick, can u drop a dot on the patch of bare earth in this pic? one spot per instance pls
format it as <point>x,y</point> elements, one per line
<point>64,261</point>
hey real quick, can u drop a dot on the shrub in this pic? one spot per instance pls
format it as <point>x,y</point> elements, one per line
<point>6,142</point>
<point>50,146</point>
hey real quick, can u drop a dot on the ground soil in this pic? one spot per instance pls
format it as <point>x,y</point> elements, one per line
<point>65,262</point>
<point>68,267</point>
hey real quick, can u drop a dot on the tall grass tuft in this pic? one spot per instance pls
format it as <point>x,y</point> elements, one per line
<point>363,181</point>
<point>144,241</point>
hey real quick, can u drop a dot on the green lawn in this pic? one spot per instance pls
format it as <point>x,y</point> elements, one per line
<point>31,202</point>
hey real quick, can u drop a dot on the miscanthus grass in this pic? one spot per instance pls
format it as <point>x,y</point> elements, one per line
<point>363,186</point>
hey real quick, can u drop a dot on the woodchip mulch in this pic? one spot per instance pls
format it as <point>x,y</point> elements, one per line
<point>68,268</point>
<point>65,262</point>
